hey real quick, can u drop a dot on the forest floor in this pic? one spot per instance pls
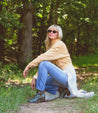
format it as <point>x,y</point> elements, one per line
<point>59,105</point>
<point>56,106</point>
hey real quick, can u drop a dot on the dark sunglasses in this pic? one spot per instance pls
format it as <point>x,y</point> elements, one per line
<point>49,31</point>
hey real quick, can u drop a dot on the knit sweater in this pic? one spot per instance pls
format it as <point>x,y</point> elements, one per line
<point>57,54</point>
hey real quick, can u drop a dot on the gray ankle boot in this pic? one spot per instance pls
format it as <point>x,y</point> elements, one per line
<point>40,97</point>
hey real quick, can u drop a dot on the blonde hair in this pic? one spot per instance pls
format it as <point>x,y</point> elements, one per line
<point>60,35</point>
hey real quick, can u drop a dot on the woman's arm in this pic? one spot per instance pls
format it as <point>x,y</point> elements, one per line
<point>25,72</point>
<point>57,51</point>
<point>33,84</point>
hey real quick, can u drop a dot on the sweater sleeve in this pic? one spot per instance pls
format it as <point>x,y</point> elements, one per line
<point>57,51</point>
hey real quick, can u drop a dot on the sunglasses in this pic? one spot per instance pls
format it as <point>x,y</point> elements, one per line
<point>49,31</point>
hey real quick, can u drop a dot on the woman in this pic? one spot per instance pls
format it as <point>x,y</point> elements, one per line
<point>55,68</point>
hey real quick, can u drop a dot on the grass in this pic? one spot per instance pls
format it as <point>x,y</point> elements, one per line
<point>13,92</point>
<point>85,61</point>
<point>90,64</point>
<point>90,105</point>
<point>11,96</point>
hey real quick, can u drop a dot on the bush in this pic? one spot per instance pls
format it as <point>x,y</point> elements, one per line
<point>9,71</point>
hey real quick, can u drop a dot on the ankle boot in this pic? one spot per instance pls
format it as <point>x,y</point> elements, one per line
<point>40,97</point>
<point>63,92</point>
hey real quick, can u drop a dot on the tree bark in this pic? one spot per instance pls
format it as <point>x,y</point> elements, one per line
<point>55,18</point>
<point>50,21</point>
<point>25,36</point>
<point>78,43</point>
<point>2,42</point>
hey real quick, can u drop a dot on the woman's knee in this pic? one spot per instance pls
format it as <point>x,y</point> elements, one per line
<point>43,63</point>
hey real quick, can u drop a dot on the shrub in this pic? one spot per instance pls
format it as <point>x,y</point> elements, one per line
<point>9,71</point>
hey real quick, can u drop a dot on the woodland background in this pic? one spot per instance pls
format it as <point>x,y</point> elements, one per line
<point>24,23</point>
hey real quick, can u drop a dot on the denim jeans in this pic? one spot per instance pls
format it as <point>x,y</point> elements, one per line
<point>51,77</point>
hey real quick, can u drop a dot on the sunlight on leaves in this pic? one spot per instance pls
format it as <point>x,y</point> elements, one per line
<point>65,16</point>
<point>87,19</point>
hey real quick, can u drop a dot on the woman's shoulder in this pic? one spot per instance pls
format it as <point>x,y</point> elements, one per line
<point>59,44</point>
<point>62,43</point>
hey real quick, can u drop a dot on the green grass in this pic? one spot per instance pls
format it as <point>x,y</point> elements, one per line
<point>90,105</point>
<point>85,61</point>
<point>12,96</point>
<point>90,64</point>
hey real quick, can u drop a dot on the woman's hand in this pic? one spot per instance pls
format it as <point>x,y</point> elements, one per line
<point>33,84</point>
<point>25,72</point>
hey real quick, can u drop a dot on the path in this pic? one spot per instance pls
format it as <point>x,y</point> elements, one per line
<point>56,106</point>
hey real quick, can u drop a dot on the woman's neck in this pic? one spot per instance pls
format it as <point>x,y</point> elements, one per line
<point>54,41</point>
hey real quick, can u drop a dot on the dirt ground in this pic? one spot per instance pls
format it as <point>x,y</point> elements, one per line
<point>56,106</point>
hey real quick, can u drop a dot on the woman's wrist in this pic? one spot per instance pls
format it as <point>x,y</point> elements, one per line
<point>35,76</point>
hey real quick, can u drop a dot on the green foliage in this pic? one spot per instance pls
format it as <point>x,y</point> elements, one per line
<point>78,20</point>
<point>9,72</point>
<point>9,21</point>
<point>9,17</point>
<point>12,97</point>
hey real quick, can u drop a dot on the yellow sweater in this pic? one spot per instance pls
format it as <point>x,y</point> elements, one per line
<point>57,54</point>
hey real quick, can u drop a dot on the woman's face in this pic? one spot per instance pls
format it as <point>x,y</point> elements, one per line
<point>52,34</point>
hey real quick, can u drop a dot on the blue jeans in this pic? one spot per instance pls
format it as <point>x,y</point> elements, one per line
<point>50,77</point>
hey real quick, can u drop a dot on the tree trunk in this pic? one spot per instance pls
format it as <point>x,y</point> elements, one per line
<point>55,18</point>
<point>42,35</point>
<point>78,51</point>
<point>2,32</point>
<point>50,21</point>
<point>2,42</point>
<point>25,36</point>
